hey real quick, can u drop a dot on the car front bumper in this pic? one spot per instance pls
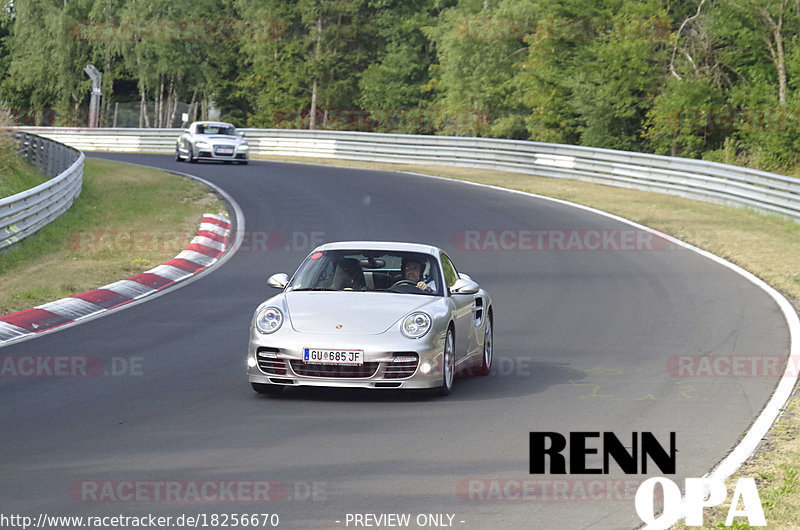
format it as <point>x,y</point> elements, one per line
<point>210,154</point>
<point>278,359</point>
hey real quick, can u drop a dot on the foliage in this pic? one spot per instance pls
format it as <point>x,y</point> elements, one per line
<point>394,84</point>
<point>698,79</point>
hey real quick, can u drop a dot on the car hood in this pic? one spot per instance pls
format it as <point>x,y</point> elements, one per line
<point>349,311</point>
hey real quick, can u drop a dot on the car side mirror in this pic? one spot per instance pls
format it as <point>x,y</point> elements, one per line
<point>464,286</point>
<point>278,281</point>
<point>240,133</point>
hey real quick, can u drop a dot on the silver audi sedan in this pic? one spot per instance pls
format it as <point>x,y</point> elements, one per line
<point>366,314</point>
<point>212,140</point>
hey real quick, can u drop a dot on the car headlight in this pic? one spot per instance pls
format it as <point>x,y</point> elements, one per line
<point>269,320</point>
<point>202,145</point>
<point>244,147</point>
<point>416,325</point>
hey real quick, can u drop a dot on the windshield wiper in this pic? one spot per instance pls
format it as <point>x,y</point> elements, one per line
<point>313,289</point>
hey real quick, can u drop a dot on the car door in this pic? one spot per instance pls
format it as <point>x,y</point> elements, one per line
<point>463,310</point>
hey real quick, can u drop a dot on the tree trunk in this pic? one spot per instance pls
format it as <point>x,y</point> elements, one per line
<point>312,114</point>
<point>192,112</point>
<point>780,62</point>
<point>160,104</point>
<point>775,47</point>
<point>142,107</point>
<point>172,104</point>
<point>312,123</point>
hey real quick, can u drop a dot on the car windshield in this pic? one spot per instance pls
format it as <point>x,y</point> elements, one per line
<point>374,271</point>
<point>225,130</point>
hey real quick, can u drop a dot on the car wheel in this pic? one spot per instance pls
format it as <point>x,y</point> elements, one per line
<point>178,155</point>
<point>488,348</point>
<point>448,364</point>
<point>264,388</point>
<point>190,154</point>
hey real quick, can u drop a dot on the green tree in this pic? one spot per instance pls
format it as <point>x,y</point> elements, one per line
<point>556,43</point>
<point>614,88</point>
<point>165,45</point>
<point>758,43</point>
<point>592,71</point>
<point>6,26</point>
<point>273,79</point>
<point>687,116</point>
<point>393,87</point>
<point>308,77</point>
<point>339,41</point>
<point>47,76</point>
<point>480,49</point>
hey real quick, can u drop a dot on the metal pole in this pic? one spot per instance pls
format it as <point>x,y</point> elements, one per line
<point>94,103</point>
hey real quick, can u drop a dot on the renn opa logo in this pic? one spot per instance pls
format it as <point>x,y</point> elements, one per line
<point>547,456</point>
<point>580,447</point>
<point>700,494</point>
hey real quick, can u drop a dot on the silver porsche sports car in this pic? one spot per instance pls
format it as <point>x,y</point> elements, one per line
<point>212,140</point>
<point>365,314</point>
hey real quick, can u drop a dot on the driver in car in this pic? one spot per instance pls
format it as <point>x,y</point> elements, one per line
<point>412,271</point>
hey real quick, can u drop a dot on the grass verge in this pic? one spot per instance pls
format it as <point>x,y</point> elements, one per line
<point>15,175</point>
<point>18,178</point>
<point>127,219</point>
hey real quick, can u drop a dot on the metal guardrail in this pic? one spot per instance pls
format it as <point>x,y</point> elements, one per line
<point>696,179</point>
<point>24,213</point>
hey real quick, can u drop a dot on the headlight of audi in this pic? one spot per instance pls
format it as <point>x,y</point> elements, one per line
<point>416,325</point>
<point>269,320</point>
<point>202,145</point>
<point>243,147</point>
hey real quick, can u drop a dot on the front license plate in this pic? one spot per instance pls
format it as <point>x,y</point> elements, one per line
<point>224,150</point>
<point>321,356</point>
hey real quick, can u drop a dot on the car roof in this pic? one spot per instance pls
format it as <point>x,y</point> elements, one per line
<point>214,123</point>
<point>380,245</point>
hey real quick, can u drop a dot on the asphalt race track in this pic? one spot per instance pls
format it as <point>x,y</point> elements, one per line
<point>586,340</point>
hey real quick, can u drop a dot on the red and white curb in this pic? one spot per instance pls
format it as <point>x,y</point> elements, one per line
<point>205,249</point>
